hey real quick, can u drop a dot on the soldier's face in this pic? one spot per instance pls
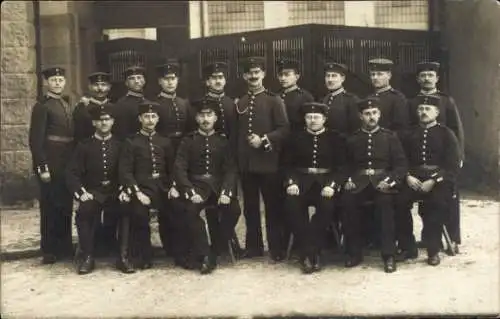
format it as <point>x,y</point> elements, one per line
<point>103,125</point>
<point>100,89</point>
<point>56,84</point>
<point>169,83</point>
<point>288,78</point>
<point>369,117</point>
<point>149,121</point>
<point>216,82</point>
<point>380,79</point>
<point>427,113</point>
<point>254,77</point>
<point>427,79</point>
<point>315,121</point>
<point>206,120</point>
<point>334,80</point>
<point>136,82</point>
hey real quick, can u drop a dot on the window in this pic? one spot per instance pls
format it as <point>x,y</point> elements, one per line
<point>235,7</point>
<point>225,17</point>
<point>316,5</point>
<point>321,12</point>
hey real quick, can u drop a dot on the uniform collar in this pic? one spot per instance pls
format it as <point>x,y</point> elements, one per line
<point>372,131</point>
<point>146,133</point>
<point>433,91</point>
<point>215,95</point>
<point>54,95</point>
<point>337,91</point>
<point>316,133</point>
<point>428,126</point>
<point>384,89</point>
<point>290,89</point>
<point>167,95</point>
<point>136,94</point>
<point>256,92</point>
<point>206,134</point>
<point>98,102</point>
<point>102,138</point>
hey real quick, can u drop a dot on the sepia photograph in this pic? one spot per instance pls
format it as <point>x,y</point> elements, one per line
<point>250,159</point>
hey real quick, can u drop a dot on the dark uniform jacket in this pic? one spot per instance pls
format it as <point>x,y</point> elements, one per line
<point>51,134</point>
<point>82,120</point>
<point>432,153</point>
<point>293,100</point>
<point>94,167</point>
<point>126,114</point>
<point>343,115</point>
<point>204,164</point>
<point>375,156</point>
<point>263,114</point>
<point>315,158</point>
<point>394,110</point>
<point>176,116</point>
<point>146,163</point>
<point>226,114</point>
<point>448,116</point>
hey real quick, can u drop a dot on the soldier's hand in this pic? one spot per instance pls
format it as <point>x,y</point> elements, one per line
<point>224,200</point>
<point>173,193</point>
<point>293,190</point>
<point>349,185</point>
<point>327,191</point>
<point>45,177</point>
<point>143,198</point>
<point>86,196</point>
<point>196,199</point>
<point>383,186</point>
<point>85,100</point>
<point>255,141</point>
<point>123,197</point>
<point>413,182</point>
<point>428,185</point>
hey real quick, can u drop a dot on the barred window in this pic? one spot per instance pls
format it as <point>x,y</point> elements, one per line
<point>322,12</point>
<point>408,14</point>
<point>226,17</point>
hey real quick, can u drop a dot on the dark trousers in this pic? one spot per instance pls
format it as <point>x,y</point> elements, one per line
<point>310,233</point>
<point>106,231</point>
<point>197,236</point>
<point>353,216</point>
<point>270,187</point>
<point>170,227</point>
<point>434,210</point>
<point>56,208</point>
<point>453,221</point>
<point>142,248</point>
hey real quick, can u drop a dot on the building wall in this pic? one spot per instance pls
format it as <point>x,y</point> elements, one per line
<point>474,59</point>
<point>19,91</point>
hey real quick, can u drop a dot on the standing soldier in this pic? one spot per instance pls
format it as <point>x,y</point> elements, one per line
<point>51,144</point>
<point>313,176</point>
<point>215,75</point>
<point>206,174</point>
<point>342,105</point>
<point>92,177</point>
<point>262,128</point>
<point>433,154</point>
<point>176,120</point>
<point>428,77</point>
<point>146,169</point>
<point>376,163</point>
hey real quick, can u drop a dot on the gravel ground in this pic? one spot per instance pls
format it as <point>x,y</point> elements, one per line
<point>467,283</point>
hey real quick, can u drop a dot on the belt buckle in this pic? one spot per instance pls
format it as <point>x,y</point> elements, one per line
<point>155,175</point>
<point>207,175</point>
<point>105,183</point>
<point>370,172</point>
<point>312,170</point>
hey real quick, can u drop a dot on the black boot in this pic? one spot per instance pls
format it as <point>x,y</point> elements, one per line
<point>86,265</point>
<point>207,265</point>
<point>316,263</point>
<point>123,263</point>
<point>434,260</point>
<point>389,264</point>
<point>353,261</point>
<point>48,259</point>
<point>306,266</point>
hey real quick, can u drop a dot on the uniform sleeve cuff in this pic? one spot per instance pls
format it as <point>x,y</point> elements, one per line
<point>266,144</point>
<point>437,177</point>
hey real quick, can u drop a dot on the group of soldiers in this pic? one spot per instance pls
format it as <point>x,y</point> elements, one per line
<point>124,162</point>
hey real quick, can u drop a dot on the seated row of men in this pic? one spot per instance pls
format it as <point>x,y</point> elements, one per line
<point>319,164</point>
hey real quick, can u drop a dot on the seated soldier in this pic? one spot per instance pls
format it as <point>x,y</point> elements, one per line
<point>434,159</point>
<point>92,175</point>
<point>376,163</point>
<point>313,160</point>
<point>206,174</point>
<point>146,169</point>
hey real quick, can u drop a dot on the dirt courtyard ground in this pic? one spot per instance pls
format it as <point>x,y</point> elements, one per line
<point>464,284</point>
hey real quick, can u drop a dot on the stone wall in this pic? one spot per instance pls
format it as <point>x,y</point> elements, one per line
<point>18,95</point>
<point>471,33</point>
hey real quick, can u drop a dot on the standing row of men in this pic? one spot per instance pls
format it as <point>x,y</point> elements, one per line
<point>137,157</point>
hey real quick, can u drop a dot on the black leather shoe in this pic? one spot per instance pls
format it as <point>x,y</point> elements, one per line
<point>434,260</point>
<point>125,266</point>
<point>48,259</point>
<point>353,261</point>
<point>404,254</point>
<point>86,266</point>
<point>390,265</point>
<point>316,263</point>
<point>147,265</point>
<point>250,253</point>
<point>207,266</point>
<point>277,257</point>
<point>306,266</point>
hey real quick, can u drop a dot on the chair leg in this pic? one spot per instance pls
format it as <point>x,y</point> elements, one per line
<point>289,248</point>
<point>449,244</point>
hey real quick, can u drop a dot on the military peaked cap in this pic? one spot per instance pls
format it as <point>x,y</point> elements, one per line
<point>134,70</point>
<point>368,103</point>
<point>428,66</point>
<point>47,73</point>
<point>215,67</point>
<point>380,64</point>
<point>148,107</point>
<point>287,63</point>
<point>331,66</point>
<point>314,107</point>
<point>99,77</point>
<point>204,105</point>
<point>253,62</point>
<point>171,67</point>
<point>428,100</point>
<point>98,111</point>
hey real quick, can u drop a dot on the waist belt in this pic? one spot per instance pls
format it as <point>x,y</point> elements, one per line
<point>105,183</point>
<point>428,167</point>
<point>313,170</point>
<point>371,171</point>
<point>204,176</point>
<point>175,134</point>
<point>62,139</point>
